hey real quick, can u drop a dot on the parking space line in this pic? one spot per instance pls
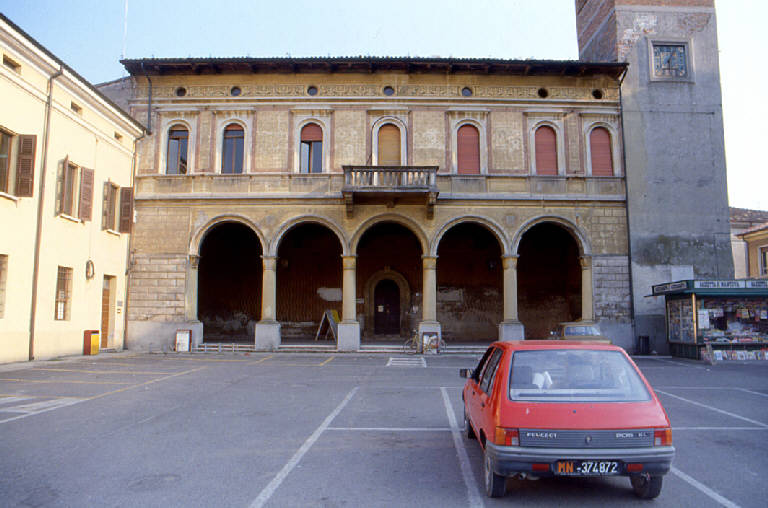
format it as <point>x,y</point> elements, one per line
<point>105,371</point>
<point>752,392</point>
<point>392,429</point>
<point>277,480</point>
<point>67,381</point>
<point>466,470</point>
<point>703,488</point>
<point>712,408</point>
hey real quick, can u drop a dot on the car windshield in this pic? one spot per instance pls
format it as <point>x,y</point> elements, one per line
<point>581,330</point>
<point>561,375</point>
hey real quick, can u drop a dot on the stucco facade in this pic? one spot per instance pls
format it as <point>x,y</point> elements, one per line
<point>53,123</point>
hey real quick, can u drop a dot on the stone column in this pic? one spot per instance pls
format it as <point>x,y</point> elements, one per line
<point>349,328</point>
<point>190,301</point>
<point>429,323</point>
<point>587,312</point>
<point>510,328</point>
<point>267,334</point>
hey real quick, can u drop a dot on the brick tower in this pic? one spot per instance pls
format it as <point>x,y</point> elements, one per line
<point>677,200</point>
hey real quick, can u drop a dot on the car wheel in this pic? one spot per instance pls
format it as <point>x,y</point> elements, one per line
<point>468,427</point>
<point>495,484</point>
<point>646,486</point>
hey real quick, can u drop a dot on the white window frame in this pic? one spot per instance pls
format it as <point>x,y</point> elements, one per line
<point>244,120</point>
<point>191,127</point>
<point>480,123</point>
<point>400,123</point>
<point>762,260</point>
<point>558,125</point>
<point>589,126</point>
<point>322,120</point>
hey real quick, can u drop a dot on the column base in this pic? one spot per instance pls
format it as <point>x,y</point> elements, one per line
<point>349,336</point>
<point>267,335</point>
<point>511,330</point>
<point>429,328</point>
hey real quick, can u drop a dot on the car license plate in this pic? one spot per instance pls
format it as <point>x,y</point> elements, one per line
<point>587,467</point>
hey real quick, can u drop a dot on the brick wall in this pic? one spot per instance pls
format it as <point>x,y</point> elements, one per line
<point>157,284</point>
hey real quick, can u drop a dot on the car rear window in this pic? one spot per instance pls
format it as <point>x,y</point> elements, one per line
<point>566,375</point>
<point>581,330</point>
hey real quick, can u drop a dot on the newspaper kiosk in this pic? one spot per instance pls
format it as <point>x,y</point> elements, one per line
<point>727,319</point>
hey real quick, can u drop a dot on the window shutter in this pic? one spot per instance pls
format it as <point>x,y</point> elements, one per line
<point>468,148</point>
<point>546,151</point>
<point>105,207</point>
<point>25,166</point>
<point>600,151</point>
<point>389,145</point>
<point>126,209</point>
<point>311,132</point>
<point>61,179</point>
<point>86,194</point>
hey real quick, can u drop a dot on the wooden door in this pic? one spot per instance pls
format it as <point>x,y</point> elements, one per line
<point>106,314</point>
<point>386,300</point>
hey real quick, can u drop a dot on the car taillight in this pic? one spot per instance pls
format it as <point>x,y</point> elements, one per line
<point>662,437</point>
<point>507,437</point>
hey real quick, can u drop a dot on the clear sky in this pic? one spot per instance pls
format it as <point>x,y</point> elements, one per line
<point>91,36</point>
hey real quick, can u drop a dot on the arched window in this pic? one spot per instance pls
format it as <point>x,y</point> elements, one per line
<point>232,151</point>
<point>176,157</point>
<point>389,145</point>
<point>546,150</point>
<point>600,152</point>
<point>468,150</point>
<point>311,155</point>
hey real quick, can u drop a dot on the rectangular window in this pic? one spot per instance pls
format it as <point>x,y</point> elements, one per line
<point>3,277</point>
<point>763,261</point>
<point>76,108</point>
<point>109,207</point>
<point>311,157</point>
<point>11,63</point>
<point>5,161</point>
<point>74,191</point>
<point>63,294</point>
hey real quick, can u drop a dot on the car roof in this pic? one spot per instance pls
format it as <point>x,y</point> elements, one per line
<point>520,345</point>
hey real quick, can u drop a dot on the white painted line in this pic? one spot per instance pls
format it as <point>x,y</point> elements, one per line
<point>711,408</point>
<point>10,400</point>
<point>43,405</point>
<point>703,488</point>
<point>277,480</point>
<point>393,429</point>
<point>417,361</point>
<point>475,500</point>
<point>752,392</point>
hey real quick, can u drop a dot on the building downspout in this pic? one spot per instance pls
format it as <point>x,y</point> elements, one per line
<point>626,197</point>
<point>40,206</point>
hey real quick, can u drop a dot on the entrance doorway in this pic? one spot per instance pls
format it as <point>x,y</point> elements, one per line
<point>107,311</point>
<point>386,301</point>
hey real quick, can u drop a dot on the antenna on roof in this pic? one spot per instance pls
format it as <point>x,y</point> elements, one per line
<point>125,31</point>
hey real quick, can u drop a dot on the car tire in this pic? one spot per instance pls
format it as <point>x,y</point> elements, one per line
<point>468,427</point>
<point>495,485</point>
<point>646,486</point>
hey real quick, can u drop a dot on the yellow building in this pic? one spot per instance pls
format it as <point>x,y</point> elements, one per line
<point>66,160</point>
<point>477,199</point>
<point>756,240</point>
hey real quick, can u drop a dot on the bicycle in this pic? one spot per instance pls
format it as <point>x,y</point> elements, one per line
<point>412,344</point>
<point>434,344</point>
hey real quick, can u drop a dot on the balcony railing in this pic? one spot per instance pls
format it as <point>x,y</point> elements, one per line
<point>390,185</point>
<point>390,178</point>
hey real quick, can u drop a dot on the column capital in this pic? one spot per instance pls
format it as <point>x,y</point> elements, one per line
<point>429,262</point>
<point>585,262</point>
<point>270,262</point>
<point>508,262</point>
<point>349,262</point>
<point>194,261</point>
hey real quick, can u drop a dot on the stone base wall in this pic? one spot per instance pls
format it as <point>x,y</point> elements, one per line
<point>157,285</point>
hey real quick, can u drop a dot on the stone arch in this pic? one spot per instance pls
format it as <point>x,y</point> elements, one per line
<point>405,298</point>
<point>404,221</point>
<point>197,237</point>
<point>494,228</point>
<point>581,238</point>
<point>274,244</point>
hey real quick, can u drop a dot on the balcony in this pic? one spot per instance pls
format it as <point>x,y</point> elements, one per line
<point>391,185</point>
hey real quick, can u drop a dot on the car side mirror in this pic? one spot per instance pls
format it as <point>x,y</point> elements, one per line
<point>465,373</point>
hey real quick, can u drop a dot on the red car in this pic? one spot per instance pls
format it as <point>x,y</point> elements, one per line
<point>545,408</point>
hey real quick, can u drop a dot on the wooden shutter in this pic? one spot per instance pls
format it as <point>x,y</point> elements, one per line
<point>468,148</point>
<point>105,208</point>
<point>126,209</point>
<point>600,152</point>
<point>546,151</point>
<point>389,145</point>
<point>85,208</point>
<point>311,132</point>
<point>25,166</point>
